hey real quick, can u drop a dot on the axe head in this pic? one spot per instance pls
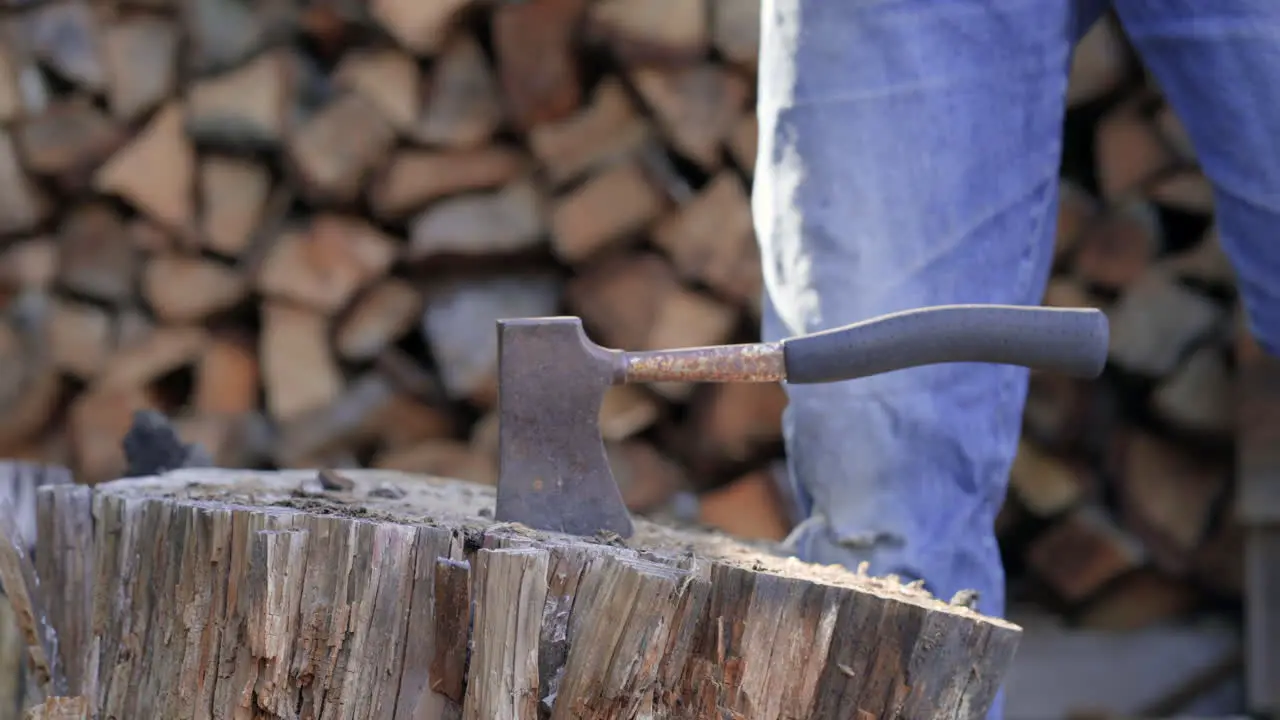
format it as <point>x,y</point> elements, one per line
<point>552,470</point>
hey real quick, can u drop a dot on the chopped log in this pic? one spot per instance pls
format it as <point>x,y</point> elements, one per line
<point>663,30</point>
<point>155,172</point>
<point>370,409</point>
<point>705,621</point>
<point>1168,494</point>
<point>380,317</point>
<point>228,376</point>
<point>458,324</point>
<point>226,440</point>
<point>549,89</point>
<point>298,369</point>
<point>1130,152</point>
<point>1158,321</point>
<point>507,220</point>
<point>1082,552</point>
<point>82,337</point>
<point>1197,397</point>
<point>696,106</point>
<point>244,108</point>
<point>735,31</point>
<point>420,27</point>
<point>625,411</point>
<point>647,478</point>
<point>183,289</point>
<point>413,178</point>
<point>1119,246</point>
<point>30,388</point>
<point>68,141</point>
<point>350,123</point>
<point>233,201</point>
<point>442,456</point>
<point>140,55</point>
<point>96,257</point>
<point>1099,63</point>
<point>636,303</point>
<point>1046,485</point>
<point>154,354</point>
<point>615,204</point>
<point>23,206</point>
<point>746,508</point>
<point>712,240</point>
<point>1143,599</point>
<point>608,129</point>
<point>388,79</point>
<point>324,266</point>
<point>735,423</point>
<point>1186,190</point>
<point>406,420</point>
<point>463,107</point>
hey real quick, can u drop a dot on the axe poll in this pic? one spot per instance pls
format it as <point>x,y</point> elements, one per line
<point>553,471</point>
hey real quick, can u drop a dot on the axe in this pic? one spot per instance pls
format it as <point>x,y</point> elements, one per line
<point>553,473</point>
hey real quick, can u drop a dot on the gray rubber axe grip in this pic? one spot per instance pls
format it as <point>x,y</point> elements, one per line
<point>1065,340</point>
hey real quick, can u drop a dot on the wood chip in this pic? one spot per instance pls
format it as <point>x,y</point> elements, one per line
<point>156,171</point>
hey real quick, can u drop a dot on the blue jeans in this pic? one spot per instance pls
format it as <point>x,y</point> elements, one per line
<point>909,152</point>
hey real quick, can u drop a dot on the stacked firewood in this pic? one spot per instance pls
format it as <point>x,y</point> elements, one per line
<point>290,226</point>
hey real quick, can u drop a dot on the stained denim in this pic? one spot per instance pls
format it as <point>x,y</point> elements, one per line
<point>909,153</point>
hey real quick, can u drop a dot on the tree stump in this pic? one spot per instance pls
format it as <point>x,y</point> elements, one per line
<point>374,594</point>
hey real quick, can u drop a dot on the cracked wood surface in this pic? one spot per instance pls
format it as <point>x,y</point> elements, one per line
<point>243,594</point>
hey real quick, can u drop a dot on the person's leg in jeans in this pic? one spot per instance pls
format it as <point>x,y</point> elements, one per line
<point>1219,65</point>
<point>909,156</point>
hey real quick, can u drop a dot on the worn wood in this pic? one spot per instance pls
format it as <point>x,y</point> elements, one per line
<point>27,596</point>
<point>289,596</point>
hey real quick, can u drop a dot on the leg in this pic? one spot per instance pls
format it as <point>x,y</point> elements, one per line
<point>1220,70</point>
<point>909,154</point>
<point>1218,65</point>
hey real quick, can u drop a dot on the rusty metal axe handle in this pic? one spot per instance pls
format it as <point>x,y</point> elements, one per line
<point>1070,341</point>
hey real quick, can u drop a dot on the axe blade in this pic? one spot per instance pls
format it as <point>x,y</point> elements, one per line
<point>552,470</point>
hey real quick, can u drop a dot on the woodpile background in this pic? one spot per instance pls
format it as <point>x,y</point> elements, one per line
<point>291,226</point>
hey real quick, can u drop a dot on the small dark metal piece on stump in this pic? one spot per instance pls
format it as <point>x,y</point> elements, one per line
<point>152,447</point>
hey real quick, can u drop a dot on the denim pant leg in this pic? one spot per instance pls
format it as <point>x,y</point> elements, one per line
<point>1219,65</point>
<point>909,154</point>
